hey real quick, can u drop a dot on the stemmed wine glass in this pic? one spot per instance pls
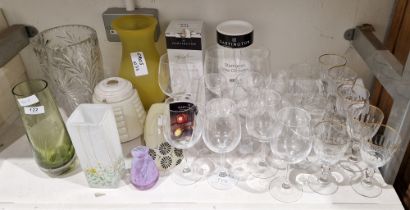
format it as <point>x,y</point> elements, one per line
<point>339,75</point>
<point>348,94</point>
<point>376,151</point>
<point>327,61</point>
<point>363,121</point>
<point>292,145</point>
<point>222,133</point>
<point>182,128</point>
<point>331,141</point>
<point>216,83</point>
<point>177,77</point>
<point>246,84</point>
<point>231,63</point>
<point>261,123</point>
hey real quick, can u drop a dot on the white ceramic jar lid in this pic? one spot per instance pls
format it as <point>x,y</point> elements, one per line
<point>113,90</point>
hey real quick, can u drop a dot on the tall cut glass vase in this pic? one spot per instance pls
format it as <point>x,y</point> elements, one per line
<point>70,58</point>
<point>140,59</point>
<point>45,129</point>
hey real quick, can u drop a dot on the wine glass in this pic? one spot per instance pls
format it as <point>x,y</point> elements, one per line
<point>176,77</point>
<point>327,61</point>
<point>216,83</point>
<point>376,151</point>
<point>348,94</point>
<point>222,133</point>
<point>261,124</point>
<point>245,84</point>
<point>331,141</point>
<point>363,121</point>
<point>232,62</point>
<point>339,75</point>
<point>182,129</point>
<point>292,145</point>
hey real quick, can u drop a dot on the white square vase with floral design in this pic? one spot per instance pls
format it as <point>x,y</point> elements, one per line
<point>96,141</point>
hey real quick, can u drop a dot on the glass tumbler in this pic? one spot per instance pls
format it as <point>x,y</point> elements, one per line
<point>51,144</point>
<point>70,58</point>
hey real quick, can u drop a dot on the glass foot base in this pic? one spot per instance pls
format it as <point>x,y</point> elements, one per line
<point>366,190</point>
<point>322,188</point>
<point>261,169</point>
<point>185,176</point>
<point>287,193</point>
<point>63,169</point>
<point>222,181</point>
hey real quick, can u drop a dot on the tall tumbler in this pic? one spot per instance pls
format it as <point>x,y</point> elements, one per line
<point>95,137</point>
<point>70,58</point>
<point>44,126</point>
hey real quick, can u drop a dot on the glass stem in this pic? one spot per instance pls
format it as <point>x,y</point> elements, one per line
<point>286,184</point>
<point>368,178</point>
<point>222,170</point>
<point>355,150</point>
<point>263,151</point>
<point>186,168</point>
<point>324,177</point>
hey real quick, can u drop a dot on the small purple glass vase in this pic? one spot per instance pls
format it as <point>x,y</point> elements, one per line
<point>144,172</point>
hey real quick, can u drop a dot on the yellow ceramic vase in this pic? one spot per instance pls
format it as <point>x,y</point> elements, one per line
<point>140,58</point>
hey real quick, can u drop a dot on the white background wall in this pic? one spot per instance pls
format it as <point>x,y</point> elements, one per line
<point>294,30</point>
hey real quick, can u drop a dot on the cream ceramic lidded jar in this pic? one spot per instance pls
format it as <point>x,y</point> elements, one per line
<point>126,105</point>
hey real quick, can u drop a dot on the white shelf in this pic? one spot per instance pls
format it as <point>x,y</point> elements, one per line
<point>24,185</point>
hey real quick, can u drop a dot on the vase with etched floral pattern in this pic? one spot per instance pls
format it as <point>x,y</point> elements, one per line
<point>70,59</point>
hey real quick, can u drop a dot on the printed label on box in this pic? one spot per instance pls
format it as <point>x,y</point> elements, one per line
<point>139,64</point>
<point>34,110</point>
<point>27,101</point>
<point>182,119</point>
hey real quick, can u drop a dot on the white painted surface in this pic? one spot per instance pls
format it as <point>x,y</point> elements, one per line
<point>23,185</point>
<point>294,30</point>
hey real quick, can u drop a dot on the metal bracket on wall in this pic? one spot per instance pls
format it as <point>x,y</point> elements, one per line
<point>112,13</point>
<point>13,39</point>
<point>396,81</point>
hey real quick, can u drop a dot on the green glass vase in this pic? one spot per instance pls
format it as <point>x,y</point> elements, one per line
<point>140,59</point>
<point>45,129</point>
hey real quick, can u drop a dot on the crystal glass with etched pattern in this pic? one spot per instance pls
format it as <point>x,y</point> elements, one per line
<point>70,58</point>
